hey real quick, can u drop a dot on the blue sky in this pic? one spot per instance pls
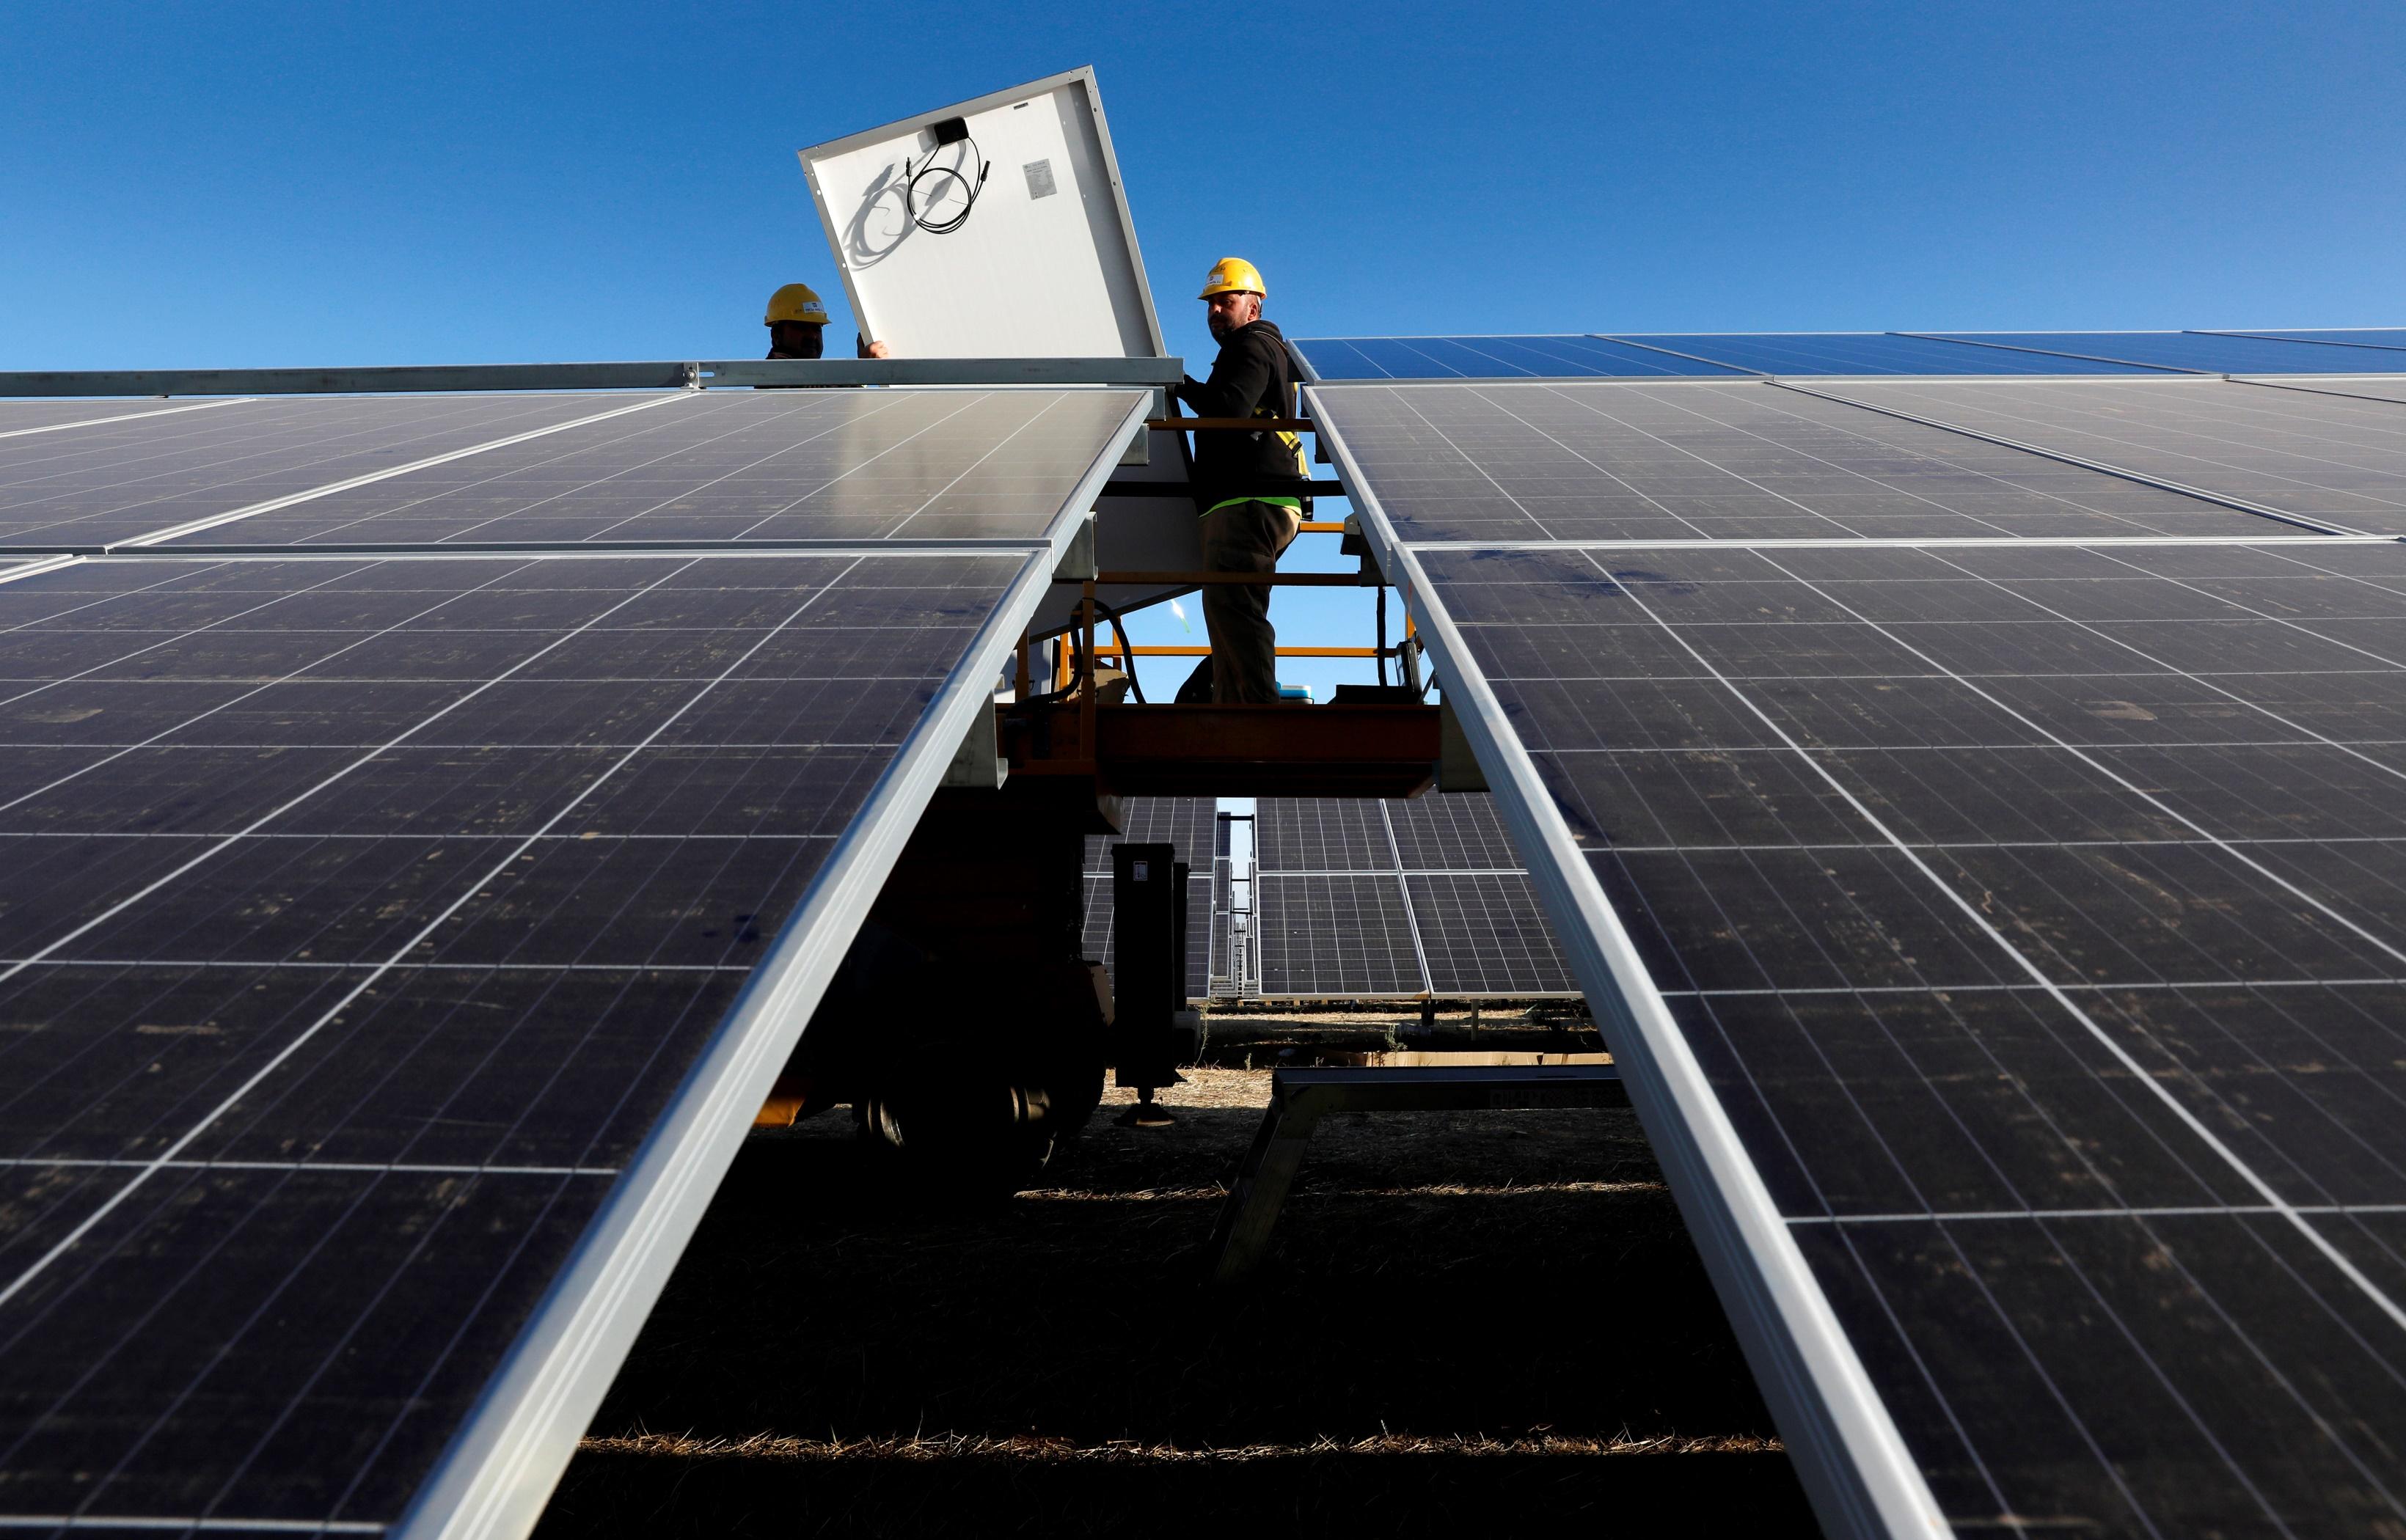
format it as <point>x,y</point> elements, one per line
<point>240,183</point>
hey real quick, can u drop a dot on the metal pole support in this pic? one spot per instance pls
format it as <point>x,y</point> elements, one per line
<point>1299,1099</point>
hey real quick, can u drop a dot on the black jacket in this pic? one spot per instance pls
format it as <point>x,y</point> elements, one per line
<point>1252,377</point>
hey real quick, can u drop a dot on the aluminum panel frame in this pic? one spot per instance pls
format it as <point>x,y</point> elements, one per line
<point>676,375</point>
<point>1861,1479</point>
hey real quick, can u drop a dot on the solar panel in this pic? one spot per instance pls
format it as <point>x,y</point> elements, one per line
<point>1491,358</point>
<point>395,949</point>
<point>737,466</point>
<point>1865,353</point>
<point>2312,453</point>
<point>1457,831</point>
<point>1327,937</point>
<point>19,418</point>
<point>1322,834</point>
<point>2362,336</point>
<point>2209,352</point>
<point>1593,462</point>
<point>1481,933</point>
<point>142,474</point>
<point>2000,941</point>
<point>2363,386</point>
<point>1451,914</point>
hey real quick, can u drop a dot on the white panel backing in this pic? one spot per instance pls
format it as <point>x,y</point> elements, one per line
<point>1046,265</point>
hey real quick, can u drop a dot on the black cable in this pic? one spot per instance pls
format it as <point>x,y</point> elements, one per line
<point>1087,662</point>
<point>911,188</point>
<point>1127,653</point>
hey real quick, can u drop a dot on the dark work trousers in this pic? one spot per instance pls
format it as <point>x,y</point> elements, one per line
<point>1243,537</point>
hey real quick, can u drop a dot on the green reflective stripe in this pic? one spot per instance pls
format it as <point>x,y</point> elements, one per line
<point>1292,504</point>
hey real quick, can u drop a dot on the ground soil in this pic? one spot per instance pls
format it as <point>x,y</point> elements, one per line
<point>1487,1322</point>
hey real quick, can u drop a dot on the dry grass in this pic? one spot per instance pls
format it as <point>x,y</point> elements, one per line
<point>1060,1450</point>
<point>1470,1321</point>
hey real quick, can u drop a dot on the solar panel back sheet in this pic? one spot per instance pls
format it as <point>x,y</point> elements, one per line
<point>1996,926</point>
<point>397,943</point>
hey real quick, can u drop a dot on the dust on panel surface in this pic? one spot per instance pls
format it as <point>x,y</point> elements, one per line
<point>2033,912</point>
<point>737,466</point>
<point>364,916</point>
<point>2324,456</point>
<point>118,480</point>
<point>1636,463</point>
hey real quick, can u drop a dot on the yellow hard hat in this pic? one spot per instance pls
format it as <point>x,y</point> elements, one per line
<point>795,301</point>
<point>1233,275</point>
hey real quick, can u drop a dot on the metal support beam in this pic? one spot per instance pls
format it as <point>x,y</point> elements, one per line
<point>1299,1099</point>
<point>1234,425</point>
<point>1186,489</point>
<point>654,375</point>
<point>1258,580</point>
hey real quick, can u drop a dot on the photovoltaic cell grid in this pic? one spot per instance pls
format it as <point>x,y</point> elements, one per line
<point>2036,916</point>
<point>1423,896</point>
<point>1567,460</point>
<point>2211,352</point>
<point>1189,823</point>
<point>1496,358</point>
<point>364,915</point>
<point>2362,387</point>
<point>2031,913</point>
<point>22,417</point>
<point>738,466</point>
<point>138,476</point>
<point>1866,353</point>
<point>368,915</point>
<point>2362,336</point>
<point>2332,457</point>
<point>1637,354</point>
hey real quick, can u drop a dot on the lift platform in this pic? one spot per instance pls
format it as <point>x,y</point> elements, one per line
<point>1382,749</point>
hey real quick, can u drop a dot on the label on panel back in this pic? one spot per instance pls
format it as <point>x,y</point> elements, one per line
<point>1039,178</point>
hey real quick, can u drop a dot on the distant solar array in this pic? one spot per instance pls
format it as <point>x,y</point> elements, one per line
<point>1192,825</point>
<point>430,824</point>
<point>1972,807</point>
<point>1351,900</point>
<point>1360,899</point>
<point>1634,355</point>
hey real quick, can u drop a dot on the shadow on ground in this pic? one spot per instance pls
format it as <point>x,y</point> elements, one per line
<point>1492,1321</point>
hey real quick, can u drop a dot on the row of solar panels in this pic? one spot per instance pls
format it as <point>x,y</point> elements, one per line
<point>1708,354</point>
<point>431,824</point>
<point>1974,811</point>
<point>1353,900</point>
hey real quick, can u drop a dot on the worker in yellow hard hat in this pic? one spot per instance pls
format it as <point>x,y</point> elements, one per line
<point>1250,487</point>
<point>796,322</point>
